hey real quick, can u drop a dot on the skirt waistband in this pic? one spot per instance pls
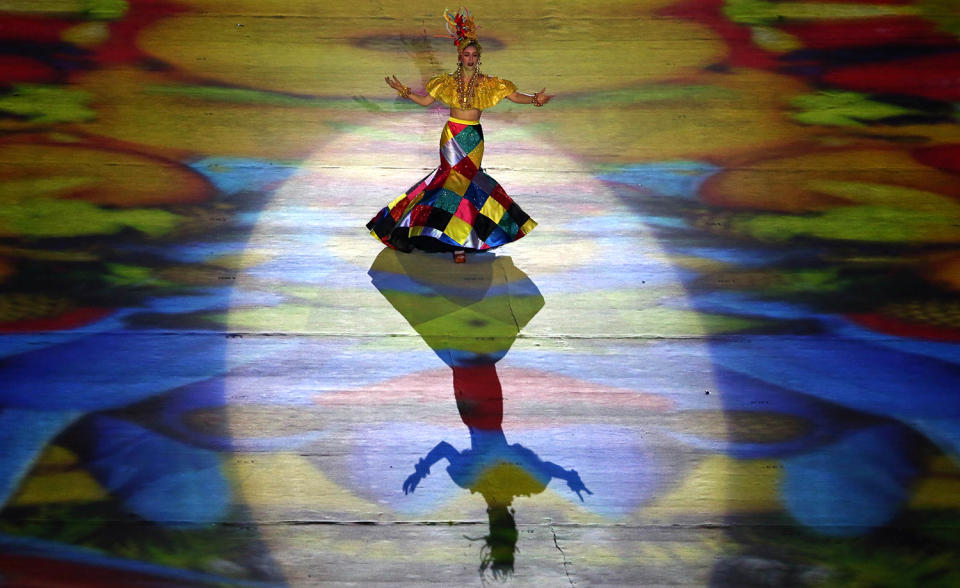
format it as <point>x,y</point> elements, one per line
<point>464,122</point>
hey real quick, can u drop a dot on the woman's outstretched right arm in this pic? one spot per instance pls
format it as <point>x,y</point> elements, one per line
<point>406,92</point>
<point>443,450</point>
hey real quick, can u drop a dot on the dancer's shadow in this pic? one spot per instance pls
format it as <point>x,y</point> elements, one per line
<point>470,315</point>
<point>500,472</point>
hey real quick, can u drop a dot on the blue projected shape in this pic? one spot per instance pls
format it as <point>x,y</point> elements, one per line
<point>233,175</point>
<point>24,434</point>
<point>158,478</point>
<point>681,179</point>
<point>851,486</point>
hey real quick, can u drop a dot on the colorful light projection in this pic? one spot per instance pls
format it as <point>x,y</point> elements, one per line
<point>747,254</point>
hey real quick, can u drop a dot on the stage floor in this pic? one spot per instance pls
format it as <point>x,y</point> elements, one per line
<point>726,355</point>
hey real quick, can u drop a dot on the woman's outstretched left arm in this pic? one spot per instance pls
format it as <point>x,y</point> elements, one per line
<point>538,99</point>
<point>571,477</point>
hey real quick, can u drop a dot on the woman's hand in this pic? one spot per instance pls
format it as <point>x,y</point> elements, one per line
<point>405,92</point>
<point>402,90</point>
<point>576,484</point>
<point>541,98</point>
<point>394,83</point>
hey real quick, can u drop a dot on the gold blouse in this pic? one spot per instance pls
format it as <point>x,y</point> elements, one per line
<point>489,90</point>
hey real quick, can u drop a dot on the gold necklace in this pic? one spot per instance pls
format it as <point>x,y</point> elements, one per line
<point>465,94</point>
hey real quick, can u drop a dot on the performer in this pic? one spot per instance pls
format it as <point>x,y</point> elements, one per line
<point>457,207</point>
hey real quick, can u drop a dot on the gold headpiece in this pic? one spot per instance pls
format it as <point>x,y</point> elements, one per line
<point>461,28</point>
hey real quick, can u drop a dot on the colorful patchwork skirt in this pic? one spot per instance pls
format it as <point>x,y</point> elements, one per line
<point>456,206</point>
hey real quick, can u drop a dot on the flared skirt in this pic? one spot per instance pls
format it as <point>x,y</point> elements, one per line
<point>455,206</point>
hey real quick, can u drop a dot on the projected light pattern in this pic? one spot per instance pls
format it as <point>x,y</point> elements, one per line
<point>746,251</point>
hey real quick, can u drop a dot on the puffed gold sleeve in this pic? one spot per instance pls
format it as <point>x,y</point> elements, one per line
<point>443,88</point>
<point>491,91</point>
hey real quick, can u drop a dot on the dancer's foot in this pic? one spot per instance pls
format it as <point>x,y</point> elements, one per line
<point>459,256</point>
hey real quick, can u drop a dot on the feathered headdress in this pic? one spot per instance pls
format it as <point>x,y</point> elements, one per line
<point>460,27</point>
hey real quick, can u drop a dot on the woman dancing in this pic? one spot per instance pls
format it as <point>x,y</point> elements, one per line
<point>457,207</point>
